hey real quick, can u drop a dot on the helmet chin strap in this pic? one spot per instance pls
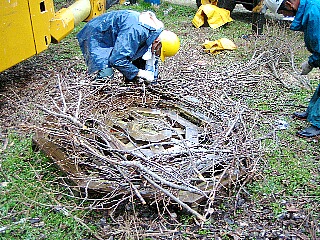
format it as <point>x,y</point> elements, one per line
<point>156,47</point>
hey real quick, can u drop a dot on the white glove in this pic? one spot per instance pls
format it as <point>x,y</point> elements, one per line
<point>147,75</point>
<point>306,68</point>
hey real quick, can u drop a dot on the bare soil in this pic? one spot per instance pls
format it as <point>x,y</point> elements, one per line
<point>33,82</point>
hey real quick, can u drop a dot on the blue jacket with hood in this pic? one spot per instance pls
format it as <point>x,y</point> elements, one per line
<point>307,20</point>
<point>115,39</point>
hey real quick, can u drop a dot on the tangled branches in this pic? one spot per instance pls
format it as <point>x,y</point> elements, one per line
<point>98,141</point>
<point>187,139</point>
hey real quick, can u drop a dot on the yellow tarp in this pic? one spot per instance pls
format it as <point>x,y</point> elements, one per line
<point>214,2</point>
<point>216,16</point>
<point>218,45</point>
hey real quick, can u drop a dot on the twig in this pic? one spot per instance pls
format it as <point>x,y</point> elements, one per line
<point>235,121</point>
<point>64,109</point>
<point>78,106</point>
<point>136,191</point>
<point>177,200</point>
<point>142,168</point>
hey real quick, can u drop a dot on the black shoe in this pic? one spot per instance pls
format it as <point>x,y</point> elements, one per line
<point>311,131</point>
<point>130,81</point>
<point>99,84</point>
<point>301,115</point>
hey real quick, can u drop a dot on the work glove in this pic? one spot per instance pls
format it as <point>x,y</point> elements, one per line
<point>146,75</point>
<point>306,68</point>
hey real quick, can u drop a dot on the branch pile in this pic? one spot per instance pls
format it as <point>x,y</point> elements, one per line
<point>83,126</point>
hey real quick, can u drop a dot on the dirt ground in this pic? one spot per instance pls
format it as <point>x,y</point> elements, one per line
<point>35,81</point>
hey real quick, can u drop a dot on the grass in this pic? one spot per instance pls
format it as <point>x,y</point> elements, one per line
<point>29,200</point>
<point>29,193</point>
<point>287,175</point>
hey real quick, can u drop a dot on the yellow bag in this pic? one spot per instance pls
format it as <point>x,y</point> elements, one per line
<point>216,16</point>
<point>218,45</point>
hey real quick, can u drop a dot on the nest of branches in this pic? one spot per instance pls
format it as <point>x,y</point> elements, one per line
<point>188,139</point>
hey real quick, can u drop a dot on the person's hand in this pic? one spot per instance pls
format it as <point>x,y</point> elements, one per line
<point>306,68</point>
<point>147,75</point>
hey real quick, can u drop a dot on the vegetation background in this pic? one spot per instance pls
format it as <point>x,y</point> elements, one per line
<point>281,202</point>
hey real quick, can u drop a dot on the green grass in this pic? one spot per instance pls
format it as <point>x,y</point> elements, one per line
<point>67,48</point>
<point>288,175</point>
<point>290,169</point>
<point>28,193</point>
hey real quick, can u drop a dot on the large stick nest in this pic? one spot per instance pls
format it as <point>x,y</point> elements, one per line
<point>188,138</point>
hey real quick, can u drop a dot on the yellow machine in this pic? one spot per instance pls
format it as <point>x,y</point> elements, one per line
<point>29,26</point>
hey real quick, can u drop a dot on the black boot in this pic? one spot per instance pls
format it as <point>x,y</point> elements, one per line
<point>301,115</point>
<point>311,131</point>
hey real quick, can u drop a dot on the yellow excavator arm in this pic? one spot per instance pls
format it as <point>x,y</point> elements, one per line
<point>29,26</point>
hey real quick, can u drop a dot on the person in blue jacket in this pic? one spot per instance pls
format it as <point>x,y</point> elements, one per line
<point>307,20</point>
<point>128,41</point>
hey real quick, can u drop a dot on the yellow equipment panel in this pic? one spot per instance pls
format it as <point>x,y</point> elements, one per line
<point>41,12</point>
<point>16,36</point>
<point>24,30</point>
<point>27,27</point>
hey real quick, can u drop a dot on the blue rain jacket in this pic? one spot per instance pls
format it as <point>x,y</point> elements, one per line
<point>307,20</point>
<point>313,109</point>
<point>115,39</point>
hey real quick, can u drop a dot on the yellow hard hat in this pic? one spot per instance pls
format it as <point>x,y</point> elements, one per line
<point>170,44</point>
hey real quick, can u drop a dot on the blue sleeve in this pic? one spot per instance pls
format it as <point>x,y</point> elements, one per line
<point>312,36</point>
<point>308,21</point>
<point>125,48</point>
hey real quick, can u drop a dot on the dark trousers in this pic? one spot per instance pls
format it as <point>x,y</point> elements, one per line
<point>314,108</point>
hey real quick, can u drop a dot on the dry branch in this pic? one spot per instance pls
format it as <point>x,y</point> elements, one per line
<point>204,139</point>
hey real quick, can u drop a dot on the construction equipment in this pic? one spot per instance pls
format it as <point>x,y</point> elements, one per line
<point>28,27</point>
